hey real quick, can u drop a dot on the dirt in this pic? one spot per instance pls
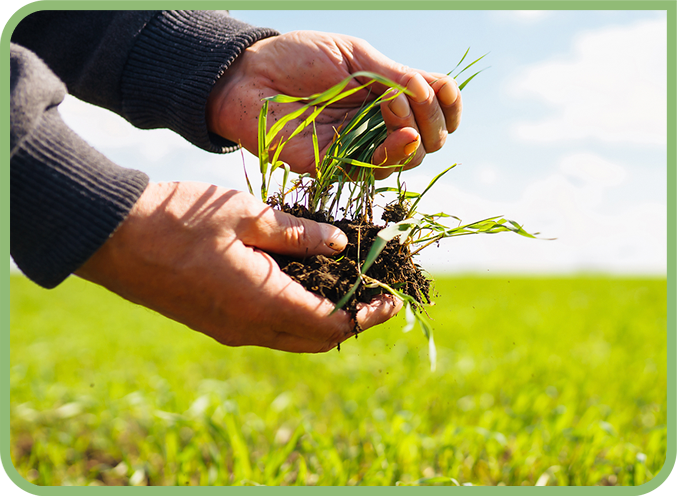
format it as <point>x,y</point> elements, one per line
<point>333,277</point>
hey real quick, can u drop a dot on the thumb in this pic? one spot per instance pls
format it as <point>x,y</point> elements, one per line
<point>285,234</point>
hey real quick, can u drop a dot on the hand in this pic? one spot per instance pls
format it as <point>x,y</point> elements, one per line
<point>192,252</point>
<point>303,63</point>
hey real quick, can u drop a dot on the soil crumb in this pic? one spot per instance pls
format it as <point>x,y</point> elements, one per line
<point>333,277</point>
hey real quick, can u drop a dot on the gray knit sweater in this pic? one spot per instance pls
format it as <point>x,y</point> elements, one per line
<point>156,69</point>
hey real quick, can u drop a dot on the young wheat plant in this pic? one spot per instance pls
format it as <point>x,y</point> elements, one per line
<point>344,181</point>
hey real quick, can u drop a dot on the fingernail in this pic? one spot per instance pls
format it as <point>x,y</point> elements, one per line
<point>419,88</point>
<point>333,237</point>
<point>411,147</point>
<point>400,107</point>
<point>448,94</point>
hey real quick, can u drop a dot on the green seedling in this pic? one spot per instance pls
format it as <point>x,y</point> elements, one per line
<point>344,181</point>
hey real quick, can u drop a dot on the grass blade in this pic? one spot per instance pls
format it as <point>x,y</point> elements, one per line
<point>263,149</point>
<point>464,83</point>
<point>389,189</point>
<point>413,207</point>
<point>316,152</point>
<point>347,296</point>
<point>470,65</point>
<point>409,317</point>
<point>459,62</point>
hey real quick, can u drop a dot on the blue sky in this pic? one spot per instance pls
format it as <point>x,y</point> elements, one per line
<point>565,132</point>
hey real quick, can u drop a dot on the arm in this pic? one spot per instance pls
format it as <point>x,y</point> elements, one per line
<point>192,252</point>
<point>154,68</point>
<point>66,198</point>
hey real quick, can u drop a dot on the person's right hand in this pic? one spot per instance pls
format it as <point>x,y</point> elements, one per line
<point>193,252</point>
<point>302,63</point>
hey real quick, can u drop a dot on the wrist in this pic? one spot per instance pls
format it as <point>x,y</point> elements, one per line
<point>216,104</point>
<point>221,112</point>
<point>230,101</point>
<point>130,247</point>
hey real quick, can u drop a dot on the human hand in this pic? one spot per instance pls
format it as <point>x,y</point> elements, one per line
<point>302,63</point>
<point>193,252</point>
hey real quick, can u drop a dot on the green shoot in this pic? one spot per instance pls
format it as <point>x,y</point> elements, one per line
<point>344,180</point>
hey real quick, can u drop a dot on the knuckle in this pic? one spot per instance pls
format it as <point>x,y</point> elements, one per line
<point>436,143</point>
<point>297,233</point>
<point>249,212</point>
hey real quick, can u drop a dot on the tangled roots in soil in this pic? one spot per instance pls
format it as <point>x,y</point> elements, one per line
<point>333,277</point>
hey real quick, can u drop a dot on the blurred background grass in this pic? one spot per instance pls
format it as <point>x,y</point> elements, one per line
<point>546,381</point>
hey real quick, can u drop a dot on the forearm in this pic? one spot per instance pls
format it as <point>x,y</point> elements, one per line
<point>156,69</point>
<point>66,198</point>
<point>87,50</point>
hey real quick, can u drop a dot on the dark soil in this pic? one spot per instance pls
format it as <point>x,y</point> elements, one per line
<point>333,277</point>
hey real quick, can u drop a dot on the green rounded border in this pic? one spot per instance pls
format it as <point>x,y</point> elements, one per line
<point>670,7</point>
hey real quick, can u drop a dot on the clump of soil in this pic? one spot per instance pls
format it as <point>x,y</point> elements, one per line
<point>333,277</point>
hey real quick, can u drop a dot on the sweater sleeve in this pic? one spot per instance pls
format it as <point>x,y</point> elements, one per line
<point>66,199</point>
<point>156,69</point>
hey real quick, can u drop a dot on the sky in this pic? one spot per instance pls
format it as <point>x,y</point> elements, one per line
<point>564,132</point>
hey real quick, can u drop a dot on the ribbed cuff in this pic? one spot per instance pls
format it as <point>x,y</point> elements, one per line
<point>173,66</point>
<point>66,200</point>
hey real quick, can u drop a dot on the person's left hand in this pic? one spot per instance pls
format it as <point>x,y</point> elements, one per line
<point>198,254</point>
<point>303,63</point>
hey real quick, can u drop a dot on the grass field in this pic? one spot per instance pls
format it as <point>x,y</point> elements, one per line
<point>557,381</point>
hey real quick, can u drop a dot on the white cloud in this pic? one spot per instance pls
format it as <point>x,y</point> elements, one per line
<point>612,87</point>
<point>105,130</point>
<point>487,174</point>
<point>161,153</point>
<point>523,16</point>
<point>592,169</point>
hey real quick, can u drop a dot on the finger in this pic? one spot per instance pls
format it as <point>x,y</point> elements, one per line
<point>282,233</point>
<point>286,316</point>
<point>403,140</point>
<point>400,144</point>
<point>308,323</point>
<point>449,98</point>
<point>430,119</point>
<point>407,163</point>
<point>379,310</point>
<point>284,341</point>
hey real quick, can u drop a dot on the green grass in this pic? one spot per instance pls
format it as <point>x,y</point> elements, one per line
<point>539,380</point>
